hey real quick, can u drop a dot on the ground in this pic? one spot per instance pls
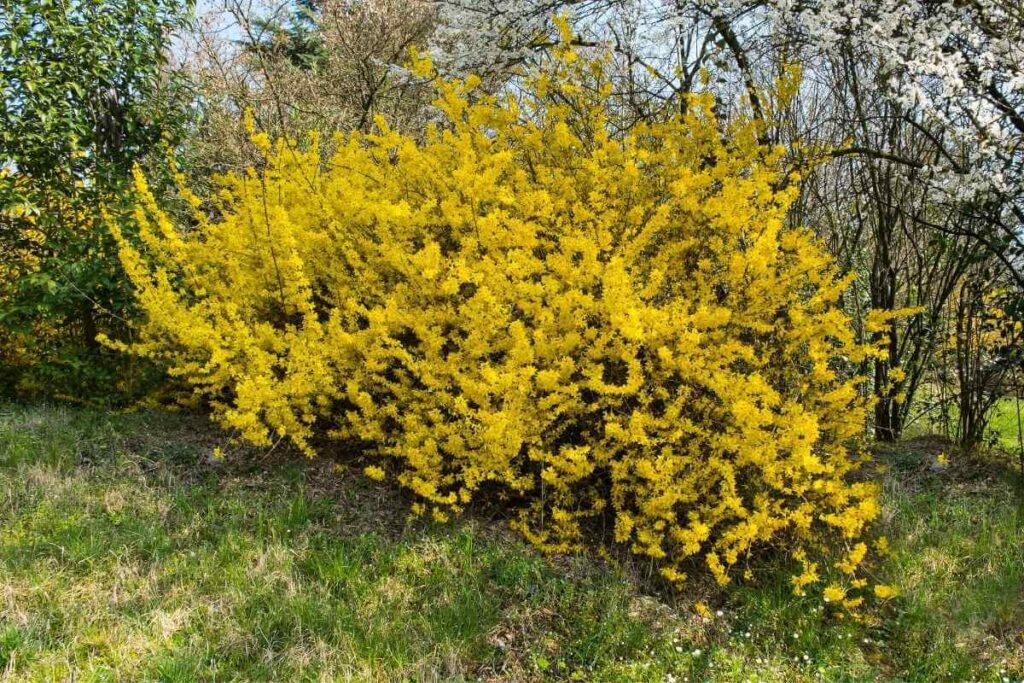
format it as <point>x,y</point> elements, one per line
<point>128,554</point>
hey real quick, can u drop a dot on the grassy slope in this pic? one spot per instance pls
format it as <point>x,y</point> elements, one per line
<point>121,559</point>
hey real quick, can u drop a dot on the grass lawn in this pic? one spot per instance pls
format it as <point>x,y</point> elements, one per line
<point>1002,426</point>
<point>127,555</point>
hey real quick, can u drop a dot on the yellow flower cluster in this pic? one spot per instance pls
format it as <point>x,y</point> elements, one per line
<point>523,303</point>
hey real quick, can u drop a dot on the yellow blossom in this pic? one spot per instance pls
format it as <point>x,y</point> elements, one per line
<point>884,592</point>
<point>833,593</point>
<point>374,472</point>
<point>525,302</point>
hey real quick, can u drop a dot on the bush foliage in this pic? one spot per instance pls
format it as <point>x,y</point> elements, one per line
<point>527,305</point>
<point>85,95</point>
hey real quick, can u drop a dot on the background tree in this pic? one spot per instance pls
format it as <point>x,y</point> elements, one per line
<point>84,97</point>
<point>328,65</point>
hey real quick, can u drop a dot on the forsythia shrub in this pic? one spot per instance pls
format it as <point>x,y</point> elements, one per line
<point>527,305</point>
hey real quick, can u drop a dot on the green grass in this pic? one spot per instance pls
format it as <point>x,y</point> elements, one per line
<point>126,555</point>
<point>1001,433</point>
<point>1002,425</point>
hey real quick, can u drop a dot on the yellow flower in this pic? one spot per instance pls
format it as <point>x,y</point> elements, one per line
<point>672,575</point>
<point>833,593</point>
<point>884,592</point>
<point>374,472</point>
<point>516,303</point>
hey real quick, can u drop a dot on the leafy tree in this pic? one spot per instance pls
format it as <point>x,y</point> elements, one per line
<point>85,95</point>
<point>298,41</point>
